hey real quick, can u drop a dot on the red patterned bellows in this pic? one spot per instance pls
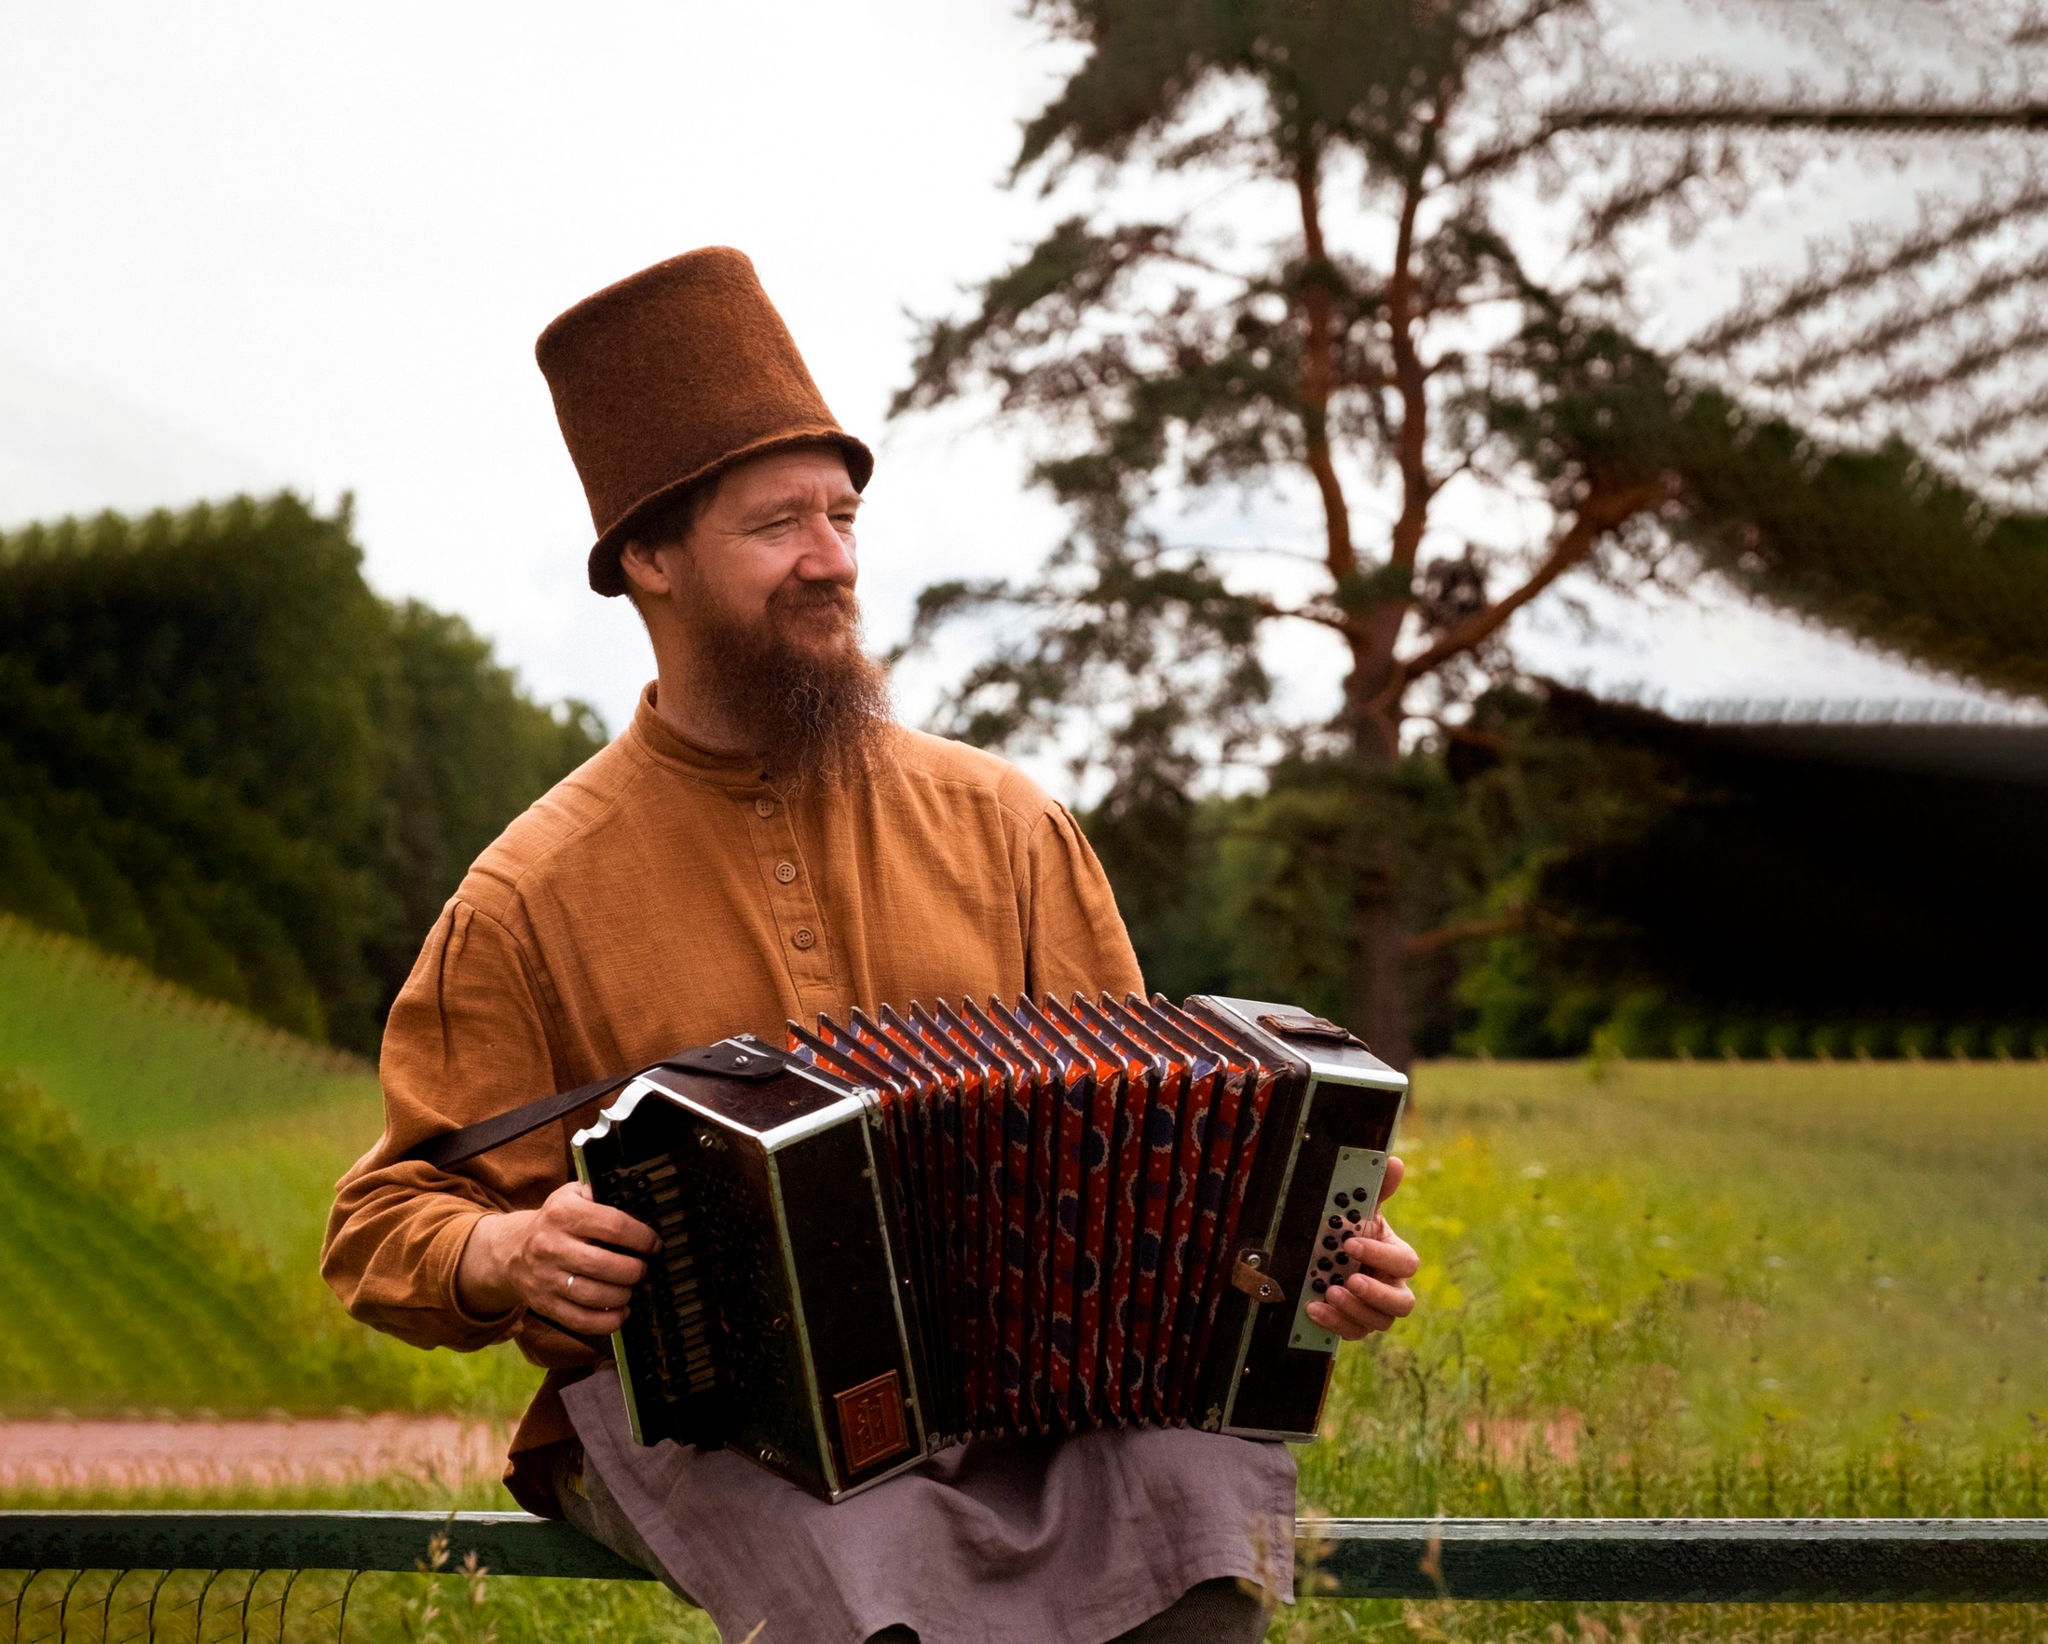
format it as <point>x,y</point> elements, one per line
<point>1070,1178</point>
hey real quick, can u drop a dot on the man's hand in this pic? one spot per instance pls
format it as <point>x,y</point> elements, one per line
<point>1377,1293</point>
<point>554,1261</point>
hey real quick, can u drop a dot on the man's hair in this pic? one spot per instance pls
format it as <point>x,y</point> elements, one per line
<point>669,522</point>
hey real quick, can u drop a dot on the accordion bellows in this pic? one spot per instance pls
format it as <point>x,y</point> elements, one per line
<point>909,1229</point>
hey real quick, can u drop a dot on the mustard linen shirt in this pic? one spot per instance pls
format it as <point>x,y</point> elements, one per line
<point>663,896</point>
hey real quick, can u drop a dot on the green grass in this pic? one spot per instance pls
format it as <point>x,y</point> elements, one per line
<point>1711,1260</point>
<point>117,1294</point>
<point>382,1608</point>
<point>185,1083</point>
<point>1649,1288</point>
<point>247,1129</point>
<point>140,1059</point>
<point>1707,1289</point>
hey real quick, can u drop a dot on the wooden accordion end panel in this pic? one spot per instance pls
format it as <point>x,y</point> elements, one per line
<point>906,1230</point>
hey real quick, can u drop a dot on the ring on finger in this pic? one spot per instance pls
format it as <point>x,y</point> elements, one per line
<point>569,1285</point>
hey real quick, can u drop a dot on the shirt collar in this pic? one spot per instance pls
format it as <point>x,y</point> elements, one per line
<point>655,736</point>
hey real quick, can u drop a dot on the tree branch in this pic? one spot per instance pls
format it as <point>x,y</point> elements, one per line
<point>1411,378</point>
<point>1319,365</point>
<point>1905,117</point>
<point>1424,943</point>
<point>1908,320</point>
<point>1867,271</point>
<point>1522,916</point>
<point>1598,514</point>
<point>1913,386</point>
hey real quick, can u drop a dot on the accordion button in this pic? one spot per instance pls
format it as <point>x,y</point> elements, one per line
<point>785,871</point>
<point>803,936</point>
<point>764,807</point>
<point>1319,1285</point>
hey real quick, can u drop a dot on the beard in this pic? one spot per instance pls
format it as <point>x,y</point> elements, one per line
<point>794,682</point>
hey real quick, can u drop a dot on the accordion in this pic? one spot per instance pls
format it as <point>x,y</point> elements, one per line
<point>906,1230</point>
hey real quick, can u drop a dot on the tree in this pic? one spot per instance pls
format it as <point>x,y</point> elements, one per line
<point>1412,334</point>
<point>224,756</point>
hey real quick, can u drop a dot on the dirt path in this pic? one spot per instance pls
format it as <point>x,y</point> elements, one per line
<point>186,1455</point>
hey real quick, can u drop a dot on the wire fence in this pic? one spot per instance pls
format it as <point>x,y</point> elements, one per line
<point>120,1577</point>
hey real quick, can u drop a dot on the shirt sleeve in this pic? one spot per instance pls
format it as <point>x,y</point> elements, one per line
<point>1075,941</point>
<point>465,1040</point>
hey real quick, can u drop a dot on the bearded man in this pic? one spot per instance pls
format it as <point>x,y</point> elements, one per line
<point>763,844</point>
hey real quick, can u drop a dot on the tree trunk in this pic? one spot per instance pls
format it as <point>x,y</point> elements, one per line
<point>1379,934</point>
<point>1379,970</point>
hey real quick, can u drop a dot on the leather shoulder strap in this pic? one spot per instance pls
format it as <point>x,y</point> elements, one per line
<point>454,1147</point>
<point>741,1058</point>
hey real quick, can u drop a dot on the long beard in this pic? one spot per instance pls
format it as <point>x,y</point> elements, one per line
<point>795,683</point>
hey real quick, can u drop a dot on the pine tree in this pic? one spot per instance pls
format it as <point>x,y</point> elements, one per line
<point>1446,353</point>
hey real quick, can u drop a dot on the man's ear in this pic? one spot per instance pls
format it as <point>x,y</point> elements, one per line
<point>645,575</point>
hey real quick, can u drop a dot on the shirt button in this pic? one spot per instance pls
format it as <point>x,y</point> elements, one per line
<point>764,807</point>
<point>804,936</point>
<point>785,871</point>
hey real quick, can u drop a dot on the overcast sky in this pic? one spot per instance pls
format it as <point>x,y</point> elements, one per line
<point>245,246</point>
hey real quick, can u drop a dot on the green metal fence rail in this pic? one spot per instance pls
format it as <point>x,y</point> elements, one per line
<point>1736,1561</point>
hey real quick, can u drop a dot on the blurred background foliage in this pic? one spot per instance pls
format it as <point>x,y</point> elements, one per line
<point>222,755</point>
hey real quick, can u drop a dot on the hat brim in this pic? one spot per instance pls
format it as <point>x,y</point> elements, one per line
<point>608,577</point>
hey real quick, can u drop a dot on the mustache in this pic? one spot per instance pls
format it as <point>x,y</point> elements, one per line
<point>794,596</point>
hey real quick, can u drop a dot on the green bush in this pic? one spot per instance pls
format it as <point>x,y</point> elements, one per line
<point>223,756</point>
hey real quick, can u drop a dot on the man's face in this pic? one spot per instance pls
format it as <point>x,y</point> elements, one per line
<point>754,619</point>
<point>772,552</point>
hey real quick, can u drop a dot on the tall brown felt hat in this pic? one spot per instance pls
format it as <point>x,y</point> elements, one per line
<point>671,376</point>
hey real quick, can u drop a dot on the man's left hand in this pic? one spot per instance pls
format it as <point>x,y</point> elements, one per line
<point>1377,1293</point>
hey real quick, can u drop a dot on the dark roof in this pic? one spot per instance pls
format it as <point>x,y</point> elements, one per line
<point>1937,739</point>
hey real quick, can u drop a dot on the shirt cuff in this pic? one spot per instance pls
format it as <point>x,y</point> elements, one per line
<point>444,1259</point>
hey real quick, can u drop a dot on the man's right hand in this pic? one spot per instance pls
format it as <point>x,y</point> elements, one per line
<point>554,1260</point>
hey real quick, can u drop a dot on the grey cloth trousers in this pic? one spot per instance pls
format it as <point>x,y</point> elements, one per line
<point>593,1509</point>
<point>1210,1612</point>
<point>1078,1540</point>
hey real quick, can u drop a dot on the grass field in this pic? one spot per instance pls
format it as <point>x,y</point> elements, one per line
<point>1713,1288</point>
<point>248,1128</point>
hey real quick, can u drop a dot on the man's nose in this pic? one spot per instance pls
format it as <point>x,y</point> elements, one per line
<point>827,555</point>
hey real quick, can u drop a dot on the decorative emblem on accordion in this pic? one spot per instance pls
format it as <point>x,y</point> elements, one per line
<point>961,1220</point>
<point>871,1421</point>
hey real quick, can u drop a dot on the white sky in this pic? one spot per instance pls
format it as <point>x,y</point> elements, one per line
<point>249,245</point>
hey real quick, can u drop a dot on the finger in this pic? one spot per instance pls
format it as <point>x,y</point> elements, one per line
<point>1345,1315</point>
<point>1362,1308</point>
<point>585,1321</point>
<point>1390,1183</point>
<point>1324,1317</point>
<point>1389,1257</point>
<point>594,1294</point>
<point>601,1224</point>
<point>562,1253</point>
<point>1396,1300</point>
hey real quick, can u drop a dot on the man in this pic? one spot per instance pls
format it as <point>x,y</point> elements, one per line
<point>763,844</point>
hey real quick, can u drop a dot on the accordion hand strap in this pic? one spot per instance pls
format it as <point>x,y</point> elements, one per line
<point>742,1058</point>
